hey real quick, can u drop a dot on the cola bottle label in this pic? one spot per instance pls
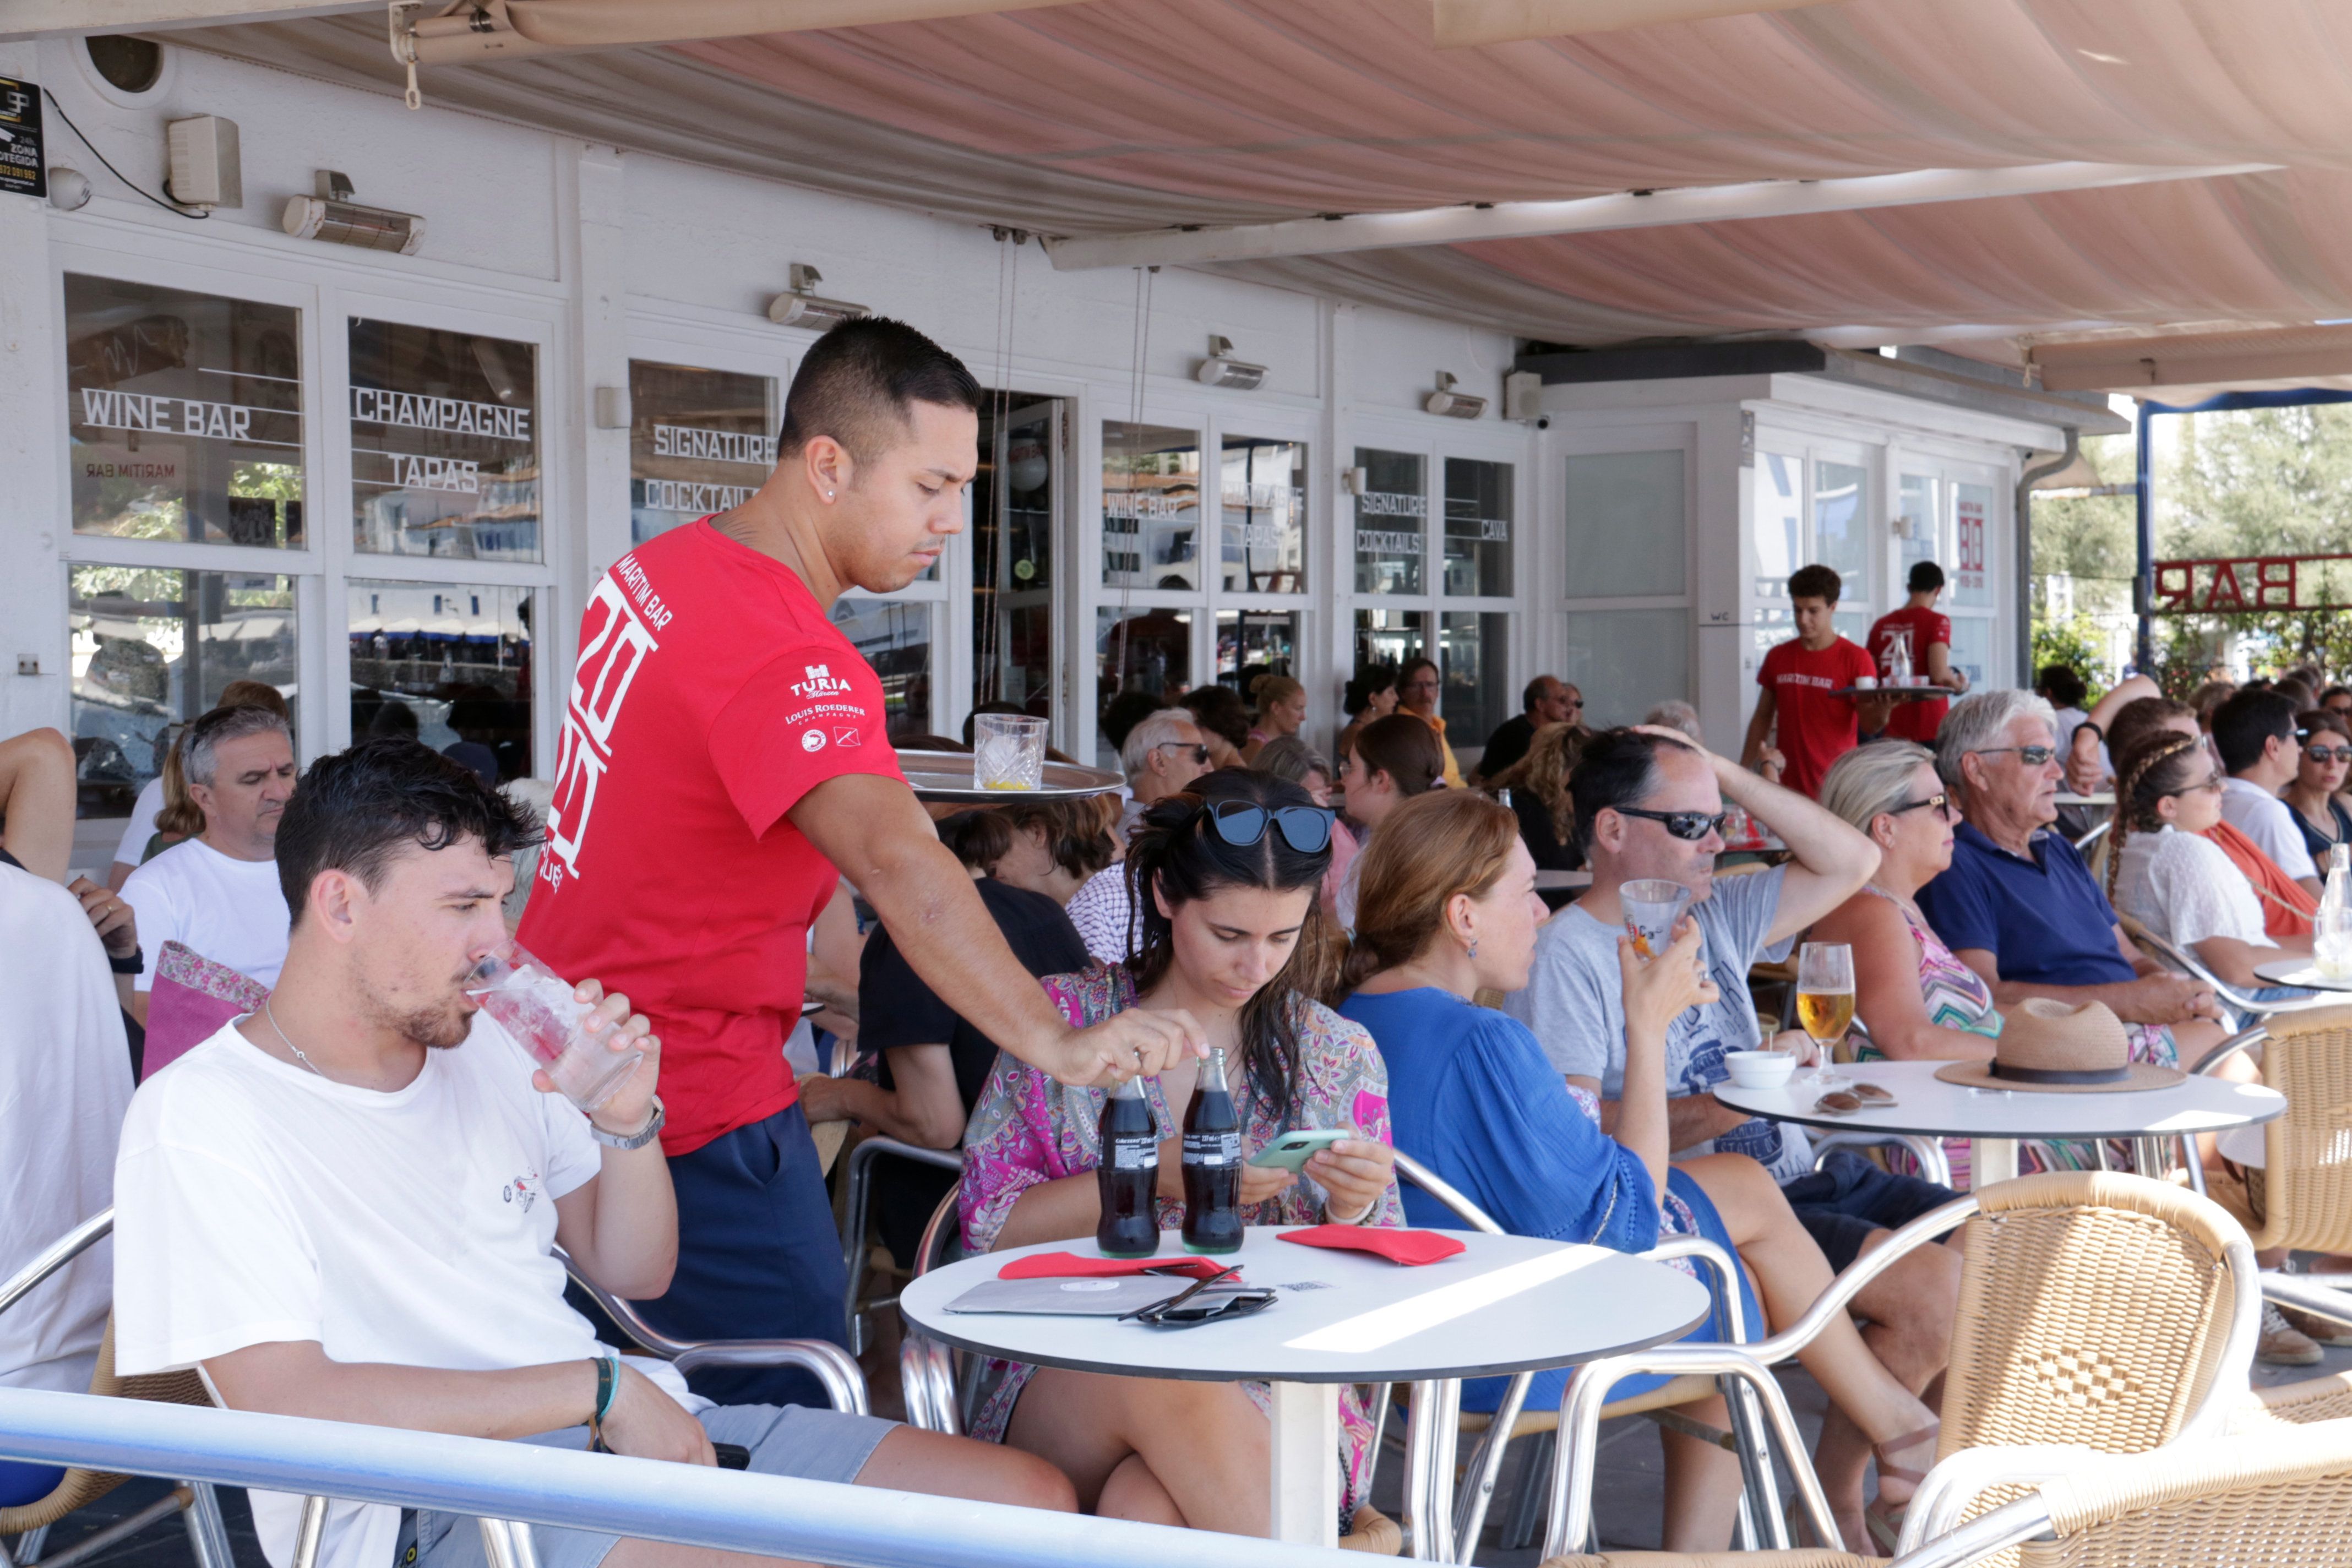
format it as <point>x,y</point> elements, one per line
<point>1213,1148</point>
<point>1135,1154</point>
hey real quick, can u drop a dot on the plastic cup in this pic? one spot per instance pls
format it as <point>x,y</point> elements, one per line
<point>537,1006</point>
<point>1008,750</point>
<point>1651,906</point>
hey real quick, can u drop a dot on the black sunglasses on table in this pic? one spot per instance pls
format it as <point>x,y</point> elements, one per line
<point>1182,1311</point>
<point>1240,823</point>
<point>1687,825</point>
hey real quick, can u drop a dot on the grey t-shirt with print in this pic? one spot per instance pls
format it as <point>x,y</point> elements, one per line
<point>1575,1003</point>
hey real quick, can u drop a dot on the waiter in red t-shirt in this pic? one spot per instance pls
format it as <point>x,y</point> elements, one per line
<point>1922,634</point>
<point>723,753</point>
<point>1800,677</point>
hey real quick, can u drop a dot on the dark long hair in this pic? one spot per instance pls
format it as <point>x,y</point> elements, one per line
<point>1176,851</point>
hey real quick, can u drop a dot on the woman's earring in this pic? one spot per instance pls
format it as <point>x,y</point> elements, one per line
<point>1473,949</point>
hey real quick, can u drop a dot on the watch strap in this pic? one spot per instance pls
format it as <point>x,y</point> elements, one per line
<point>637,1139</point>
<point>134,965</point>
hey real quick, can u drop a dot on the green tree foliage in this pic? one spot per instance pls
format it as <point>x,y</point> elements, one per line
<point>2073,643</point>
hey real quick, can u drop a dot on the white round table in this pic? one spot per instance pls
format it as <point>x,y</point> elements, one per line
<point>1994,1120</point>
<point>1505,1303</point>
<point>2299,971</point>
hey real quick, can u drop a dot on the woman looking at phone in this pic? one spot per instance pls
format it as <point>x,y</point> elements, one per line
<point>1449,908</point>
<point>1226,878</point>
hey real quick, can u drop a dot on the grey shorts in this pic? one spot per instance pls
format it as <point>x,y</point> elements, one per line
<point>807,1443</point>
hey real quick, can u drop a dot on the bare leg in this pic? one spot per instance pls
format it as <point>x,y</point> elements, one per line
<point>1204,1443</point>
<point>1134,1492</point>
<point>1702,1484</point>
<point>1910,1309</point>
<point>36,795</point>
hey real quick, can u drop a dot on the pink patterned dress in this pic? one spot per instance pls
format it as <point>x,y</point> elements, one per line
<point>1027,1128</point>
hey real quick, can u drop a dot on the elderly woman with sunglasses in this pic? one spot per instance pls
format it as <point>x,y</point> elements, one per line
<point>1225,876</point>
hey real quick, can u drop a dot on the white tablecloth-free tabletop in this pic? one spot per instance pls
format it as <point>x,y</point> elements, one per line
<point>1506,1303</point>
<point>2295,971</point>
<point>1995,1119</point>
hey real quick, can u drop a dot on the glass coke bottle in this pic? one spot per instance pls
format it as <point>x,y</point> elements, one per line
<point>1128,1175</point>
<point>1212,1165</point>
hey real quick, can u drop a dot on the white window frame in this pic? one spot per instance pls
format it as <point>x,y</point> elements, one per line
<point>1679,436</point>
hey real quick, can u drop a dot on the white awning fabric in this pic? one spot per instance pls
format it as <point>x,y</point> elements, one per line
<point>1118,115</point>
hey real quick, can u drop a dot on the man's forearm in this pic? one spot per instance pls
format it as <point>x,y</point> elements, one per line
<point>635,1251</point>
<point>1691,1118</point>
<point>1818,840</point>
<point>297,1379</point>
<point>1760,724</point>
<point>2121,998</point>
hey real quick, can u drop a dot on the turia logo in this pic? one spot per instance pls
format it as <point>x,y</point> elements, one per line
<point>818,681</point>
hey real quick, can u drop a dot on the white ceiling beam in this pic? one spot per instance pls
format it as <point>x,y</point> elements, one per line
<point>515,28</point>
<point>33,18</point>
<point>2196,359</point>
<point>1591,214</point>
<point>1463,24</point>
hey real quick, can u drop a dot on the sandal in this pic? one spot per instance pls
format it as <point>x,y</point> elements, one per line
<point>1885,1519</point>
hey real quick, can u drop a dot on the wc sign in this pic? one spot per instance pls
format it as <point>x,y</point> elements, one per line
<point>22,171</point>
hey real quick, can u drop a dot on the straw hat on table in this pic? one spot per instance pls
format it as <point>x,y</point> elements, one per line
<point>2049,1048</point>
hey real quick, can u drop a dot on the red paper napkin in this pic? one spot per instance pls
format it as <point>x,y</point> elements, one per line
<point>1071,1265</point>
<point>1411,1247</point>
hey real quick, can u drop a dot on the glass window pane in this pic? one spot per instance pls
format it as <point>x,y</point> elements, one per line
<point>1251,643</point>
<point>1971,514</point>
<point>1972,647</point>
<point>895,638</point>
<point>1390,637</point>
<point>1152,506</point>
<point>445,444</point>
<point>450,665</point>
<point>1478,516</point>
<point>1626,662</point>
<point>700,441</point>
<point>1143,657</point>
<point>186,418</point>
<point>1626,524</point>
<point>1264,496</point>
<point>1013,552</point>
<point>1780,528</point>
<point>1914,505</point>
<point>1475,659</point>
<point>153,648</point>
<point>1391,522</point>
<point>1840,514</point>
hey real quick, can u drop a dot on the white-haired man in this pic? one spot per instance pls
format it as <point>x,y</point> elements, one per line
<point>1162,755</point>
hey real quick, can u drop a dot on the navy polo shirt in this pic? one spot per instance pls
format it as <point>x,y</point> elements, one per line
<point>2044,920</point>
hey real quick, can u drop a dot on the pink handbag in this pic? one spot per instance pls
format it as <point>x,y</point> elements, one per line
<point>192,999</point>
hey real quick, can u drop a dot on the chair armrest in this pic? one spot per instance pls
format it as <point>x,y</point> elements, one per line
<point>1725,1287</point>
<point>68,1247</point>
<point>1954,1485</point>
<point>844,1384</point>
<point>868,1150</point>
<point>2297,1290</point>
<point>1831,1303</point>
<point>2244,1039</point>
<point>1437,1187</point>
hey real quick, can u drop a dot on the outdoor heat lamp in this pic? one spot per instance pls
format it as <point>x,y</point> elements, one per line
<point>333,216</point>
<point>1452,403</point>
<point>803,307</point>
<point>1221,369</point>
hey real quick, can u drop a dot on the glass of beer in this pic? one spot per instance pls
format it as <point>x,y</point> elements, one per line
<point>1825,999</point>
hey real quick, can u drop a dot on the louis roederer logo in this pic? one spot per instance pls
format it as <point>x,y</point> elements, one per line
<point>818,681</point>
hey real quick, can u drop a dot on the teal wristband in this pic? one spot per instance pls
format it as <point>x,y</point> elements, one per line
<point>608,1384</point>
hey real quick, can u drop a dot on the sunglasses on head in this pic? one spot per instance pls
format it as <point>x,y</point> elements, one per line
<point>1687,825</point>
<point>1306,828</point>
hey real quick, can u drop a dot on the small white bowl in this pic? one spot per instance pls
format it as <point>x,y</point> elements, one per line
<point>1866,682</point>
<point>1760,1069</point>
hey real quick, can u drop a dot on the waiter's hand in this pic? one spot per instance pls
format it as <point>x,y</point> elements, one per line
<point>1137,1041</point>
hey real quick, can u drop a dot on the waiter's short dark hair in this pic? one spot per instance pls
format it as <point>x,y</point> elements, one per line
<point>858,385</point>
<point>1815,582</point>
<point>353,811</point>
<point>1925,575</point>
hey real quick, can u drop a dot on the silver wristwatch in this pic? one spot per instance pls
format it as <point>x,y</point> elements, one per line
<point>637,1139</point>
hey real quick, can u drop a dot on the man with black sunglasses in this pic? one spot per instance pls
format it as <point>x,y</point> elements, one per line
<point>1649,804</point>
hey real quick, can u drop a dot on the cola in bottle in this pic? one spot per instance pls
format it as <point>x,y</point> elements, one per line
<point>1128,1175</point>
<point>1212,1165</point>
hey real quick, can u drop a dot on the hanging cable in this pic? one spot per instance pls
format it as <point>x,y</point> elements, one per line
<point>168,207</point>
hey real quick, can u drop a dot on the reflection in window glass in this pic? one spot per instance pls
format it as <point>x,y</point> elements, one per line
<point>1151,506</point>
<point>185,414</point>
<point>445,444</point>
<point>450,665</point>
<point>1972,647</point>
<point>1915,504</point>
<point>1626,662</point>
<point>1391,522</point>
<point>700,441</point>
<point>1626,524</point>
<point>895,638</point>
<point>1390,637</point>
<point>1263,493</point>
<point>1251,643</point>
<point>1474,662</point>
<point>1143,658</point>
<point>1478,515</point>
<point>153,648</point>
<point>1779,540</point>
<point>1971,514</point>
<point>1841,510</point>
<point>1013,504</point>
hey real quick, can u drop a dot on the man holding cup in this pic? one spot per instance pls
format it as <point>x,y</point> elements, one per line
<point>724,759</point>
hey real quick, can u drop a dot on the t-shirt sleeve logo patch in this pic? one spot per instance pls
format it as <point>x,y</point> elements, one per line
<point>846,735</point>
<point>813,740</point>
<point>818,681</point>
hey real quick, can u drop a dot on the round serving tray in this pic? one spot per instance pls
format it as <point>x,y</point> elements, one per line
<point>947,777</point>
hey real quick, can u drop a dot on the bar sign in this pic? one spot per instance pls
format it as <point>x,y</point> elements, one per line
<point>22,171</point>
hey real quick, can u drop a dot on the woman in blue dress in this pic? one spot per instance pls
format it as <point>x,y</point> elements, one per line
<point>1448,908</point>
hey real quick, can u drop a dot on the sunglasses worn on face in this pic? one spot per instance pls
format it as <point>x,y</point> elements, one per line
<point>2329,754</point>
<point>1940,804</point>
<point>1690,826</point>
<point>1306,828</point>
<point>2211,781</point>
<point>2032,756</point>
<point>1199,751</point>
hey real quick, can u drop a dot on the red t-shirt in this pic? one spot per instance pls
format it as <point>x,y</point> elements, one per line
<point>712,694</point>
<point>1815,728</point>
<point>1915,630</point>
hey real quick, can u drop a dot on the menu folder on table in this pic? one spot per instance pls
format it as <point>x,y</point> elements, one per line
<point>1066,1298</point>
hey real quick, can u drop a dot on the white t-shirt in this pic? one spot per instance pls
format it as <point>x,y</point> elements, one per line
<point>2185,888</point>
<point>65,1080</point>
<point>141,826</point>
<point>257,1202</point>
<point>230,911</point>
<point>2270,822</point>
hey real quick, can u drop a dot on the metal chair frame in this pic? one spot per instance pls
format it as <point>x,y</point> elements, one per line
<point>832,1366</point>
<point>857,1199</point>
<point>2250,1011</point>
